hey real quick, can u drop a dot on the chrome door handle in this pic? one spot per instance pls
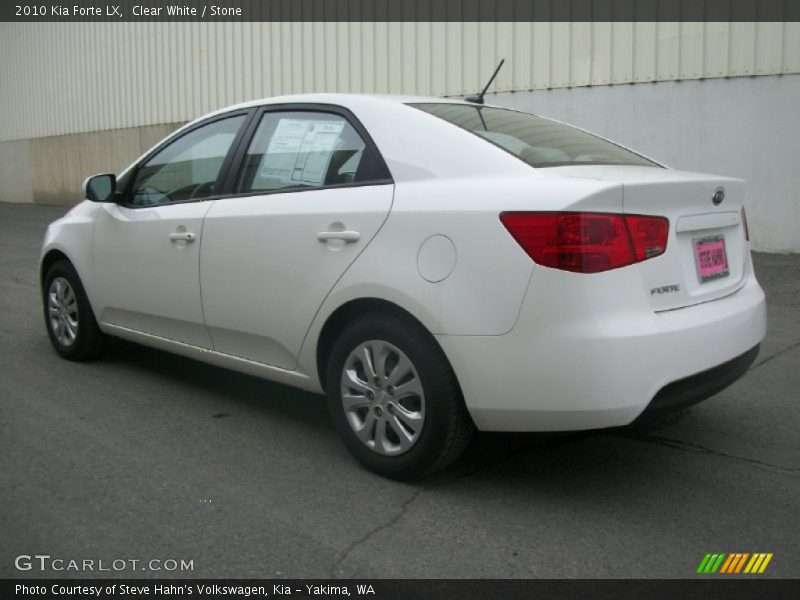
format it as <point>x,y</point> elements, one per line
<point>182,236</point>
<point>346,236</point>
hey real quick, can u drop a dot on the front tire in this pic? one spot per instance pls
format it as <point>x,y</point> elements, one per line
<point>394,398</point>
<point>68,316</point>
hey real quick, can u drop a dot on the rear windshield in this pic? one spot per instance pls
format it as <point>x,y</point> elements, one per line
<point>539,142</point>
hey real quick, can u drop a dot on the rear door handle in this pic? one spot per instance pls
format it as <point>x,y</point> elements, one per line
<point>346,236</point>
<point>182,236</point>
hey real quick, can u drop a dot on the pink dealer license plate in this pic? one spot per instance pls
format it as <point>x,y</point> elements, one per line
<point>710,257</point>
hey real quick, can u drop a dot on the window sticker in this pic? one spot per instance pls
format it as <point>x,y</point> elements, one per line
<point>300,151</point>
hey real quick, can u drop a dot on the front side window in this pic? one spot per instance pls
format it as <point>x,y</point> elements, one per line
<point>187,168</point>
<point>304,149</point>
<point>538,141</point>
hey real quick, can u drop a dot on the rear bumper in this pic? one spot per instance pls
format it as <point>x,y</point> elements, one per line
<point>576,359</point>
<point>696,388</point>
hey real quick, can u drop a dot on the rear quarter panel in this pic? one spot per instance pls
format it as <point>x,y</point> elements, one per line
<point>484,292</point>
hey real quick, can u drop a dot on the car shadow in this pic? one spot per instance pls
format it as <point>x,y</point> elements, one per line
<point>535,453</point>
<point>310,409</point>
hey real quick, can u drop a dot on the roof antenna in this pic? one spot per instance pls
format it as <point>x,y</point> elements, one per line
<point>479,98</point>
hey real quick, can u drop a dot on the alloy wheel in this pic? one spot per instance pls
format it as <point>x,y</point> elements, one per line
<point>383,398</point>
<point>62,311</point>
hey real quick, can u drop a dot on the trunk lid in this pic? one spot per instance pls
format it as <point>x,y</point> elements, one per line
<point>703,234</point>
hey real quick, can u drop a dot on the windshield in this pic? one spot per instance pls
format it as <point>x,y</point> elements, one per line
<point>538,141</point>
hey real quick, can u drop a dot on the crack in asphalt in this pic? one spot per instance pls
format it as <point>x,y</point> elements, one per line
<point>777,354</point>
<point>691,447</point>
<point>363,539</point>
<point>403,509</point>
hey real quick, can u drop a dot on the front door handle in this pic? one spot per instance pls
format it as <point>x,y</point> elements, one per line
<point>346,236</point>
<point>182,236</point>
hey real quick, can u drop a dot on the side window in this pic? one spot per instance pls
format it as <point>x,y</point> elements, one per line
<point>188,167</point>
<point>305,149</point>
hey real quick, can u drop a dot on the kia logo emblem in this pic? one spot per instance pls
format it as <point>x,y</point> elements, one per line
<point>718,197</point>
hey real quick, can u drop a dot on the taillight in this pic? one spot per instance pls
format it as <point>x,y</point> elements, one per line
<point>587,242</point>
<point>744,223</point>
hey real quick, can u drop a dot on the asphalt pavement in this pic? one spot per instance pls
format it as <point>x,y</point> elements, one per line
<point>143,456</point>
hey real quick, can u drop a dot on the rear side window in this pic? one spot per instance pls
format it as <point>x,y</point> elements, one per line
<point>535,140</point>
<point>305,149</point>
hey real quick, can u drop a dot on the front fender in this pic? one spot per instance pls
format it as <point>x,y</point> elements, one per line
<point>72,235</point>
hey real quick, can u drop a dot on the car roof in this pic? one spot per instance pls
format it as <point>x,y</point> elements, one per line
<point>348,101</point>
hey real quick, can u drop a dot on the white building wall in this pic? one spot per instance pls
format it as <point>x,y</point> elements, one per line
<point>61,78</point>
<point>81,98</point>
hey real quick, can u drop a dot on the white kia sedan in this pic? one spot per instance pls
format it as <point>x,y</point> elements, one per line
<point>433,266</point>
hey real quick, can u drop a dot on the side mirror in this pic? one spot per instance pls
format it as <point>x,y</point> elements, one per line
<point>101,188</point>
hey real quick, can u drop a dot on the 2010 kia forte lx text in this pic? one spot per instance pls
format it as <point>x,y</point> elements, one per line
<point>433,266</point>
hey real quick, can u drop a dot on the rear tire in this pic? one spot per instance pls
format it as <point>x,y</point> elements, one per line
<point>394,398</point>
<point>68,316</point>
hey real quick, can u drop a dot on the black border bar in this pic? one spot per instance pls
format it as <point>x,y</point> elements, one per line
<point>404,10</point>
<point>702,588</point>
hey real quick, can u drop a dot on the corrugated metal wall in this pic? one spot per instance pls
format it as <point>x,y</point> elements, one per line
<point>70,78</point>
